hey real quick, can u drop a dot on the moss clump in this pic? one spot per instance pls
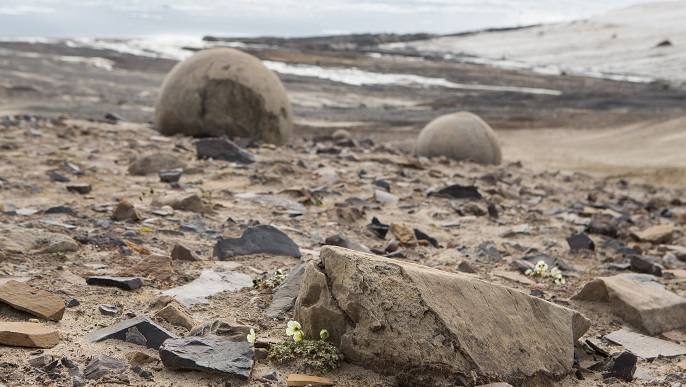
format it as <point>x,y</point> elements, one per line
<point>316,354</point>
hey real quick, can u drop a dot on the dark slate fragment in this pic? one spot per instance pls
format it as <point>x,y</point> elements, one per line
<point>549,260</point>
<point>183,253</point>
<point>580,242</point>
<point>209,354</point>
<point>623,367</point>
<point>153,334</point>
<point>344,241</point>
<point>489,252</point>
<point>286,293</point>
<point>58,177</point>
<point>103,241</point>
<point>80,188</point>
<point>170,175</point>
<point>422,236</point>
<point>492,210</point>
<point>102,365</point>
<point>260,239</point>
<point>222,149</point>
<point>59,210</point>
<point>644,264</point>
<point>603,224</point>
<point>383,183</point>
<point>378,228</point>
<point>126,283</point>
<point>522,266</point>
<point>457,191</point>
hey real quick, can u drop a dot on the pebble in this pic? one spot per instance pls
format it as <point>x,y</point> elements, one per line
<point>80,188</point>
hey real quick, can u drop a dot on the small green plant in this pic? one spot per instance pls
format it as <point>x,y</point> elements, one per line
<point>267,282</point>
<point>541,270</point>
<point>317,354</point>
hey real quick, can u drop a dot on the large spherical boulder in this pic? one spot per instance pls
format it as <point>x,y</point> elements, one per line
<point>459,136</point>
<point>222,91</point>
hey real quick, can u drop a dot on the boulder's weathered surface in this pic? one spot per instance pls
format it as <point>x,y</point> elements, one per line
<point>397,317</point>
<point>22,240</point>
<point>222,91</point>
<point>209,354</point>
<point>459,136</point>
<point>647,307</point>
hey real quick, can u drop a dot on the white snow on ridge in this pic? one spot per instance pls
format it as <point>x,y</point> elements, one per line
<point>620,44</point>
<point>357,77</point>
<point>172,47</point>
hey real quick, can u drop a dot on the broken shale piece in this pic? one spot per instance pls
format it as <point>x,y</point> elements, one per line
<point>28,334</point>
<point>153,334</point>
<point>260,239</point>
<point>457,191</point>
<point>209,354</point>
<point>126,283</point>
<point>222,149</point>
<point>31,300</point>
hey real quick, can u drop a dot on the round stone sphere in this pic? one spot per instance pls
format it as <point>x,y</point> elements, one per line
<point>459,136</point>
<point>222,91</point>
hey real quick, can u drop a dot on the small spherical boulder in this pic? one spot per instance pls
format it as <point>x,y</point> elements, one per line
<point>222,91</point>
<point>459,136</point>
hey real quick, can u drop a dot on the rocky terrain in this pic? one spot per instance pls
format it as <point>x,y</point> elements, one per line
<point>82,198</point>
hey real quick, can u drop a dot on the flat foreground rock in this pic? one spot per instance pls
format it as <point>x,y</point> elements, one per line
<point>28,334</point>
<point>209,354</point>
<point>397,317</point>
<point>645,306</point>
<point>31,300</point>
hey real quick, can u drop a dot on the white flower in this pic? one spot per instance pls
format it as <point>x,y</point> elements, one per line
<point>293,328</point>
<point>529,272</point>
<point>541,266</point>
<point>252,337</point>
<point>298,336</point>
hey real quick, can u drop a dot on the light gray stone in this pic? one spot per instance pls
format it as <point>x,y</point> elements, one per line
<point>155,163</point>
<point>209,283</point>
<point>646,307</point>
<point>400,318</point>
<point>645,346</point>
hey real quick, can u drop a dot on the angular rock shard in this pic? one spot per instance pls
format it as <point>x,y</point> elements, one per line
<point>126,283</point>
<point>102,365</point>
<point>646,307</point>
<point>286,294</point>
<point>261,239</point>
<point>223,149</point>
<point>28,334</point>
<point>400,318</point>
<point>153,334</point>
<point>31,300</point>
<point>209,354</point>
